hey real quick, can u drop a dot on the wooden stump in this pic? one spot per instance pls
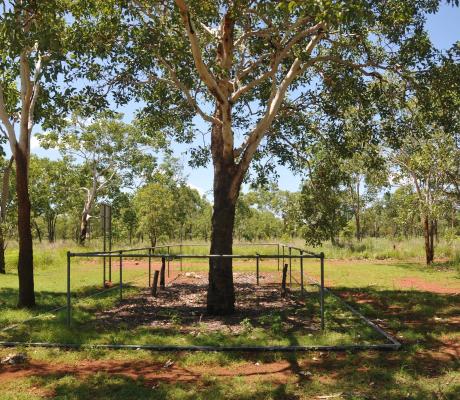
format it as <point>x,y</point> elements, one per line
<point>155,283</point>
<point>162,273</point>
<point>283,282</point>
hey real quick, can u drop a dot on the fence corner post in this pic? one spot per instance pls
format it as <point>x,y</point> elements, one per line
<point>121,274</point>
<point>150,266</point>
<point>257,267</point>
<point>322,291</point>
<point>68,290</point>
<point>302,290</point>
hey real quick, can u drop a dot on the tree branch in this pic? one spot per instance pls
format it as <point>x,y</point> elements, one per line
<point>274,104</point>
<point>187,94</point>
<point>10,134</point>
<point>201,67</point>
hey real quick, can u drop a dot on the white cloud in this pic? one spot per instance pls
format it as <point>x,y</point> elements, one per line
<point>34,143</point>
<point>200,190</point>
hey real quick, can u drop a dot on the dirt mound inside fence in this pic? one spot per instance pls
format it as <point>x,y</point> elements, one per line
<point>182,306</point>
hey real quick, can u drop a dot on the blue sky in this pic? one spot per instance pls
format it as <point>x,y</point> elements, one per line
<point>444,30</point>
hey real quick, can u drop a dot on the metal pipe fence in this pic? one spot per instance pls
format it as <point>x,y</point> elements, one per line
<point>149,254</point>
<point>281,255</point>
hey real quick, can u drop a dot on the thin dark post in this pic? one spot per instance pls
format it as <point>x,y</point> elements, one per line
<point>283,282</point>
<point>278,257</point>
<point>321,296</point>
<point>290,266</point>
<point>301,273</point>
<point>283,253</point>
<point>104,243</point>
<point>257,269</point>
<point>162,273</point>
<point>150,267</point>
<point>180,251</point>
<point>155,283</point>
<point>168,261</point>
<point>68,289</point>
<point>110,245</point>
<point>121,275</point>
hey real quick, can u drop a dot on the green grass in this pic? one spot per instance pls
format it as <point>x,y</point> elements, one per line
<point>424,321</point>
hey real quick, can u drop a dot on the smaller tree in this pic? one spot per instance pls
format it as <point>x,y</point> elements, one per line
<point>112,152</point>
<point>428,163</point>
<point>51,183</point>
<point>155,205</point>
<point>4,202</point>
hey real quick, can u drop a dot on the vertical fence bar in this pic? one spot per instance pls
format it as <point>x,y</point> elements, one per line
<point>301,273</point>
<point>121,275</point>
<point>110,249</point>
<point>168,261</point>
<point>321,296</point>
<point>290,266</point>
<point>104,246</point>
<point>283,253</point>
<point>68,289</point>
<point>162,273</point>
<point>278,257</point>
<point>257,269</point>
<point>150,267</point>
<point>180,251</point>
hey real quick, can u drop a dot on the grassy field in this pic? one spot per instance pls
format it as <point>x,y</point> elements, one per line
<point>417,304</point>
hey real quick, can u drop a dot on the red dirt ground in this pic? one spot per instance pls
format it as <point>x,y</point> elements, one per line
<point>278,372</point>
<point>421,284</point>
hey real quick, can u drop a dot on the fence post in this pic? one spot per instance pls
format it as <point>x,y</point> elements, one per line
<point>68,289</point>
<point>283,281</point>
<point>150,267</point>
<point>322,291</point>
<point>301,273</point>
<point>162,273</point>
<point>180,251</point>
<point>282,246</point>
<point>168,261</point>
<point>155,283</point>
<point>278,257</point>
<point>290,266</point>
<point>121,275</point>
<point>110,249</point>
<point>257,268</point>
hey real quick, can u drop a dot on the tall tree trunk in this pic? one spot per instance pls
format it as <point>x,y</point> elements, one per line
<point>39,232</point>
<point>83,226</point>
<point>358,213</point>
<point>153,240</point>
<point>25,261</point>
<point>51,224</point>
<point>2,252</point>
<point>221,294</point>
<point>428,235</point>
<point>226,188</point>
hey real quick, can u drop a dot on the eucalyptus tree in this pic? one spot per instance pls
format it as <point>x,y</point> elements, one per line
<point>428,163</point>
<point>238,65</point>
<point>52,183</point>
<point>155,205</point>
<point>111,151</point>
<point>32,52</point>
<point>4,203</point>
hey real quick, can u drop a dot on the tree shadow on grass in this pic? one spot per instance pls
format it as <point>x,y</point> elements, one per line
<point>420,370</point>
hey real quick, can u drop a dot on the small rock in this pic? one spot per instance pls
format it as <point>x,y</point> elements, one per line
<point>305,373</point>
<point>14,359</point>
<point>168,364</point>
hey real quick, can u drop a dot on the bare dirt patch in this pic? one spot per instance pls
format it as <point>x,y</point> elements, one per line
<point>182,307</point>
<point>421,284</point>
<point>150,373</point>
